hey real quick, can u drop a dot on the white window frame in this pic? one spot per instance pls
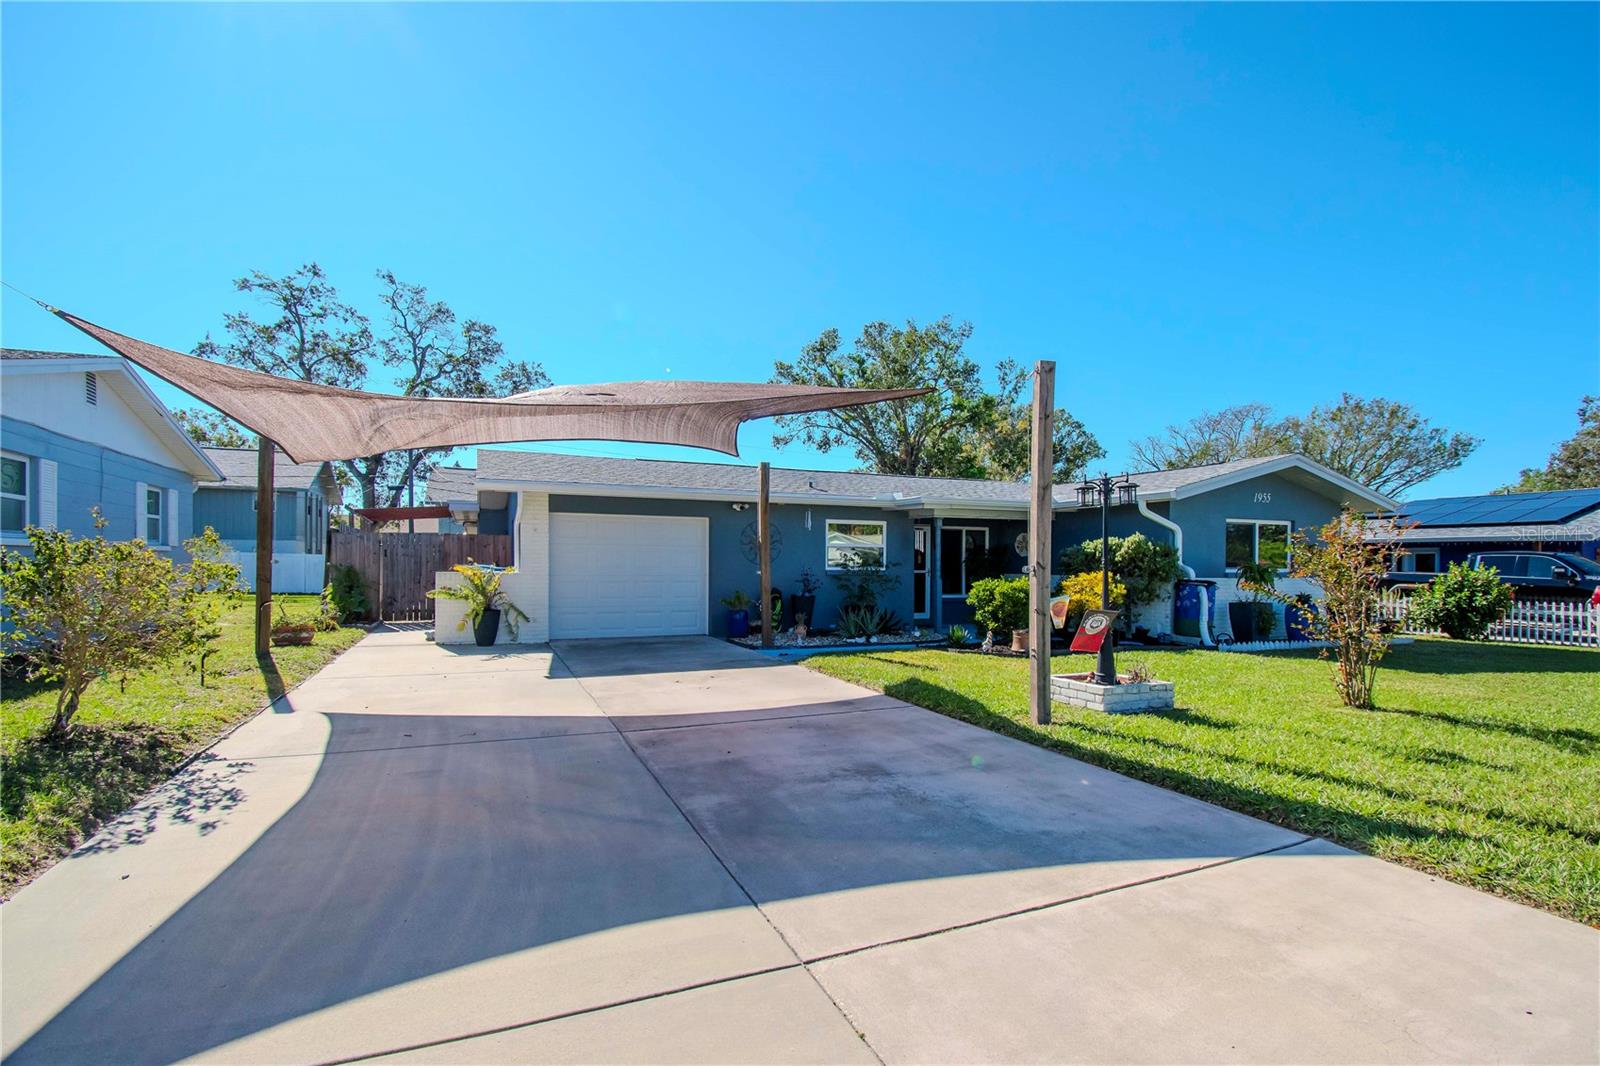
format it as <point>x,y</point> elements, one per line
<point>160,516</point>
<point>1255,541</point>
<point>26,496</point>
<point>965,584</point>
<point>827,527</point>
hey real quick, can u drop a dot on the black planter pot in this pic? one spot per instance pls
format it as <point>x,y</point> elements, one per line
<point>800,604</point>
<point>488,627</point>
<point>1242,621</point>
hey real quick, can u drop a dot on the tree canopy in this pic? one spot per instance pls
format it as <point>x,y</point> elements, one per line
<point>1385,445</point>
<point>1573,465</point>
<point>961,429</point>
<point>212,429</point>
<point>313,335</point>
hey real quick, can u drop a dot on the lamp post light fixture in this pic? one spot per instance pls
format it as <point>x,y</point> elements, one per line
<point>1100,490</point>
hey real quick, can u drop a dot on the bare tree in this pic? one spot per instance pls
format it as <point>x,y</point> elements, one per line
<point>1231,433</point>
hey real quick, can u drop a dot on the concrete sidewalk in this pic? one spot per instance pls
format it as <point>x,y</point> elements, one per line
<point>678,851</point>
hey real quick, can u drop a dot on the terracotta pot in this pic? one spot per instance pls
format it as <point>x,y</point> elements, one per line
<point>293,635</point>
<point>1019,640</point>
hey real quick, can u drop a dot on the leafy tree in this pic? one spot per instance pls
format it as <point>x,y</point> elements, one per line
<point>1004,448</point>
<point>1380,443</point>
<point>1463,602</point>
<point>1575,464</point>
<point>1384,445</point>
<point>215,586</point>
<point>317,337</point>
<point>213,429</point>
<point>958,430</point>
<point>1211,437</point>
<point>84,608</point>
<point>1347,559</point>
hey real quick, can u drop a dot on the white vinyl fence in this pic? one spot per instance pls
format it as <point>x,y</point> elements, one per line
<point>1572,623</point>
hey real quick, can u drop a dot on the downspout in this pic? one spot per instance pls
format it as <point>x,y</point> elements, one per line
<point>1177,542</point>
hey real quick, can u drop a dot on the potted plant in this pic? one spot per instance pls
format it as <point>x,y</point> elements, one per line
<point>1298,612</point>
<point>289,632</point>
<point>738,605</point>
<point>804,602</point>
<point>486,603</point>
<point>1251,619</point>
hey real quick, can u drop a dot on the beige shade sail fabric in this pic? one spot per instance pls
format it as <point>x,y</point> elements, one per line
<point>312,423</point>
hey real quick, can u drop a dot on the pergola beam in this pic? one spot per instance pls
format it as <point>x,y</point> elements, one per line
<point>264,497</point>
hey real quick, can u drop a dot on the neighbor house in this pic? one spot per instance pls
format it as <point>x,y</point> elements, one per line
<point>623,547</point>
<point>1446,530</point>
<point>84,433</point>
<point>303,497</point>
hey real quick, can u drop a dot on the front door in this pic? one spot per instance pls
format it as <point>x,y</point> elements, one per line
<point>922,536</point>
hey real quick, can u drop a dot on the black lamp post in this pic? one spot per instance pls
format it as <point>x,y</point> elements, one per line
<point>1100,490</point>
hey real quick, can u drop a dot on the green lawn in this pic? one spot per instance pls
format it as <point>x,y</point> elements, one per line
<point>126,741</point>
<point>1482,765</point>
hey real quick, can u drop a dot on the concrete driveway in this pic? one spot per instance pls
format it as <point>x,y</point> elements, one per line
<point>678,851</point>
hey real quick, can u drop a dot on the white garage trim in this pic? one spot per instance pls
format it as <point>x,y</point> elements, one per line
<point>618,575</point>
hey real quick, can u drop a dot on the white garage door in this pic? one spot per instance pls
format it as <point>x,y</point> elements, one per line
<point>627,575</point>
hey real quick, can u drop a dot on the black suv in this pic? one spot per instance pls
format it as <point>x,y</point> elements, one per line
<point>1544,575</point>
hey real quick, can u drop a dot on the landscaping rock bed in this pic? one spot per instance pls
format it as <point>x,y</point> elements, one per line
<point>833,640</point>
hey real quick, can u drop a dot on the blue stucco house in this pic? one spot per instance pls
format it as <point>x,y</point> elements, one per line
<point>304,496</point>
<point>80,432</point>
<point>624,547</point>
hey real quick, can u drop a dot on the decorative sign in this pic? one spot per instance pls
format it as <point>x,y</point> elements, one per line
<point>1021,544</point>
<point>1093,629</point>
<point>1058,611</point>
<point>750,542</point>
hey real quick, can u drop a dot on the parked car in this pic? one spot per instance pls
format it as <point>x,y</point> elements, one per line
<point>1544,575</point>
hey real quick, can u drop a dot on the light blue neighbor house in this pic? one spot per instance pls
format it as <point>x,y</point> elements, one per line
<point>81,432</point>
<point>635,547</point>
<point>84,432</point>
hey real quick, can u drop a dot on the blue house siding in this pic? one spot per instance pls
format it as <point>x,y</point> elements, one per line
<point>89,476</point>
<point>1204,518</point>
<point>801,548</point>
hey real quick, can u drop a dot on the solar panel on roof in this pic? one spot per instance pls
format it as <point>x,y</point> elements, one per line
<point>1523,508</point>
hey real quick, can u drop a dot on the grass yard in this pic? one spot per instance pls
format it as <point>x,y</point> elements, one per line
<point>125,742</point>
<point>1482,765</point>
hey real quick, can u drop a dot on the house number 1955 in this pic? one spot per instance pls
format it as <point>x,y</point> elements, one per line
<point>1263,497</point>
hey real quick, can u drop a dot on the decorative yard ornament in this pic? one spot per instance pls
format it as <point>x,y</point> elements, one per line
<point>1060,607</point>
<point>1094,632</point>
<point>750,542</point>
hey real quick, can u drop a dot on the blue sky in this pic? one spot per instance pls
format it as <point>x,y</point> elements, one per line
<point>1186,207</point>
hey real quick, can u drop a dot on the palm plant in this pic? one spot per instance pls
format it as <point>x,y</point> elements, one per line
<point>480,591</point>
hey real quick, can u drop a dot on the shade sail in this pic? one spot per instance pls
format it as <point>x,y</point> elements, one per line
<point>317,422</point>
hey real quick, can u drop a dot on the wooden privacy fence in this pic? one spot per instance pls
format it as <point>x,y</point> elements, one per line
<point>398,568</point>
<point>1572,623</point>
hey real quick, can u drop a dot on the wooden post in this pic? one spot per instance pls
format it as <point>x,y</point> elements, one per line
<point>1040,513</point>
<point>264,498</point>
<point>764,535</point>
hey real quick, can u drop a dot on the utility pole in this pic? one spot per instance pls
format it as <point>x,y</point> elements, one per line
<point>1041,511</point>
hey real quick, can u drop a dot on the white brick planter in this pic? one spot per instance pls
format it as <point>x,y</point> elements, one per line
<point>1130,697</point>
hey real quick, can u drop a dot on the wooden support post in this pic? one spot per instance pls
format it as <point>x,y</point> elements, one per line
<point>1040,514</point>
<point>264,498</point>
<point>764,534</point>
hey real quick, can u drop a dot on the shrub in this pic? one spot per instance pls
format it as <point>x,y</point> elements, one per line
<point>1084,590</point>
<point>348,593</point>
<point>860,586</point>
<point>1462,602</point>
<point>88,607</point>
<point>959,635</point>
<point>1145,568</point>
<point>857,622</point>
<point>1000,604</point>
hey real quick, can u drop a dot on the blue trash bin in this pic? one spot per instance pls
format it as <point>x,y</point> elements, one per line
<point>1194,610</point>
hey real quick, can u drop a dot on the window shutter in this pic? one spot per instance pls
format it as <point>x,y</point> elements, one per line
<point>47,494</point>
<point>138,510</point>
<point>174,534</point>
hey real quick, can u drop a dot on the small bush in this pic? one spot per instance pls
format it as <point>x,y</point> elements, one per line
<point>1084,590</point>
<point>959,635</point>
<point>1000,604</point>
<point>1461,602</point>
<point>348,594</point>
<point>1145,568</point>
<point>856,622</point>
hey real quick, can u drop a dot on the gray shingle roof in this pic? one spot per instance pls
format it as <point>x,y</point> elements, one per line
<point>451,483</point>
<point>238,466</point>
<point>36,353</point>
<point>550,468</point>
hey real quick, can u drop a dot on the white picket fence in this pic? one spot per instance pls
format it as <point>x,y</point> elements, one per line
<point>1572,623</point>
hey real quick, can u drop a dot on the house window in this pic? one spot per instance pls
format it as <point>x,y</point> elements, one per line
<point>1252,541</point>
<point>961,556</point>
<point>153,525</point>
<point>1420,561</point>
<point>13,493</point>
<point>855,545</point>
